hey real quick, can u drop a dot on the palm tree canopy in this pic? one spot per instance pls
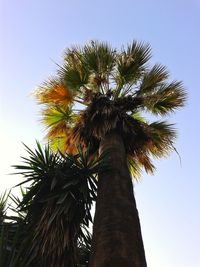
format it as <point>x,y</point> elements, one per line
<point>99,89</point>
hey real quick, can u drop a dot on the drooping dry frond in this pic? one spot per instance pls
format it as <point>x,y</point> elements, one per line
<point>161,138</point>
<point>153,140</point>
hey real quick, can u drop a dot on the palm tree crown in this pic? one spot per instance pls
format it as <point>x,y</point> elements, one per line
<point>114,87</point>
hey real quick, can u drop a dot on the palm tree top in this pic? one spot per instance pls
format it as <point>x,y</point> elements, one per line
<point>99,89</point>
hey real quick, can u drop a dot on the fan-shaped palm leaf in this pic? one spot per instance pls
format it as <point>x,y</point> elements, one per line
<point>98,57</point>
<point>131,63</point>
<point>152,79</point>
<point>165,99</point>
<point>54,92</point>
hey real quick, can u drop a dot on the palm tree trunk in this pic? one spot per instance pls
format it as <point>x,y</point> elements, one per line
<point>117,239</point>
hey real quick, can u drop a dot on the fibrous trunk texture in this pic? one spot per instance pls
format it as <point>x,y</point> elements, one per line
<point>117,239</point>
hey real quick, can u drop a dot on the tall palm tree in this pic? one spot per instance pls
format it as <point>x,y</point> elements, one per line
<point>98,99</point>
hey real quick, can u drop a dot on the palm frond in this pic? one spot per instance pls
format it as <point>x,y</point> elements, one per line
<point>166,98</point>
<point>138,116</point>
<point>54,115</point>
<point>144,141</point>
<point>98,57</point>
<point>152,79</point>
<point>131,63</point>
<point>161,138</point>
<point>73,73</point>
<point>59,122</point>
<point>54,92</point>
<point>73,77</point>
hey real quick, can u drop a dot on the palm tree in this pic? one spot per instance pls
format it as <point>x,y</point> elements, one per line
<point>50,227</point>
<point>98,99</point>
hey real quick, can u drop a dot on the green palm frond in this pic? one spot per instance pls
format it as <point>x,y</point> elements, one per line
<point>157,95</point>
<point>98,57</point>
<point>131,63</point>
<point>59,122</point>
<point>152,79</point>
<point>88,67</point>
<point>74,77</point>
<point>138,116</point>
<point>56,114</point>
<point>166,98</point>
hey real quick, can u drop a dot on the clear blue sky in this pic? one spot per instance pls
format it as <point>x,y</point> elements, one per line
<point>33,35</point>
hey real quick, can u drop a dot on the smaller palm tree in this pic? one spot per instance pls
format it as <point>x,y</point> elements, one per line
<point>51,226</point>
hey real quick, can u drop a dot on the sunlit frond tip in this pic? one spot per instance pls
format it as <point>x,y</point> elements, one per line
<point>53,92</point>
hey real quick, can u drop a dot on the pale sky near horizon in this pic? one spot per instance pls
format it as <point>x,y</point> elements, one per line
<point>33,36</point>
